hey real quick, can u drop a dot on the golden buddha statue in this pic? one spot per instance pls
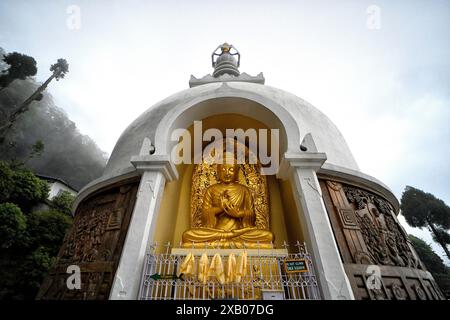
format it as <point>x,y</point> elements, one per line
<point>227,217</point>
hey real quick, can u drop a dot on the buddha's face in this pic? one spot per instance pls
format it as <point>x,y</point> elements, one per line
<point>227,173</point>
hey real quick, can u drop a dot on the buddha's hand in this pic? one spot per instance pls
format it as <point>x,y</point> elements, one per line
<point>224,204</point>
<point>239,232</point>
<point>231,210</point>
<point>228,235</point>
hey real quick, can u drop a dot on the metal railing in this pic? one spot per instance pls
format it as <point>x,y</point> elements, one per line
<point>267,277</point>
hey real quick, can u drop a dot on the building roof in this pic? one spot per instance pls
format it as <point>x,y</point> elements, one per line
<point>52,178</point>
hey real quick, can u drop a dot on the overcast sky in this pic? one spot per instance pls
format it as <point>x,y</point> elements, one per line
<point>379,69</point>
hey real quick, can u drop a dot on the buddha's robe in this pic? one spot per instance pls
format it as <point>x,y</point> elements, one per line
<point>221,228</point>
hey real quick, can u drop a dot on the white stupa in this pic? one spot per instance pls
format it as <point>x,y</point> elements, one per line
<point>318,195</point>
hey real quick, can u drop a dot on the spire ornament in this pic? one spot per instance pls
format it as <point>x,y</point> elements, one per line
<point>226,60</point>
<point>226,63</point>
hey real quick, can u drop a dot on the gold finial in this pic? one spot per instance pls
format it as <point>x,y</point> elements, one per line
<point>224,60</point>
<point>225,47</point>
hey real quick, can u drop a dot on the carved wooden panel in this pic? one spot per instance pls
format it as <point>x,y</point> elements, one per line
<point>94,243</point>
<point>368,234</point>
<point>397,283</point>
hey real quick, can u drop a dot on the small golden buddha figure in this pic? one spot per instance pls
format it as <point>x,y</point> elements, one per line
<point>228,215</point>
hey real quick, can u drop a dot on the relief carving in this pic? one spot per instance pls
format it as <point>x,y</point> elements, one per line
<point>377,294</point>
<point>94,244</point>
<point>368,233</point>
<point>334,185</point>
<point>348,219</point>
<point>419,292</point>
<point>115,219</point>
<point>398,292</point>
<point>385,241</point>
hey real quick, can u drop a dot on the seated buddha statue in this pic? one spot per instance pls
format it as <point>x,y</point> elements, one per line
<point>227,215</point>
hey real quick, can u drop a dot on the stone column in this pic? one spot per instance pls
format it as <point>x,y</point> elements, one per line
<point>300,169</point>
<point>156,170</point>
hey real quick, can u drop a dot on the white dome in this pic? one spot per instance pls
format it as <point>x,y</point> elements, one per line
<point>271,106</point>
<point>307,119</point>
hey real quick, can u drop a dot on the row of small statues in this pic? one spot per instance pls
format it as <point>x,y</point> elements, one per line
<point>235,269</point>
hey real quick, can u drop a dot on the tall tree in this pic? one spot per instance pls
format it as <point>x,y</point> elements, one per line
<point>20,67</point>
<point>59,70</point>
<point>423,209</point>
<point>68,155</point>
<point>433,263</point>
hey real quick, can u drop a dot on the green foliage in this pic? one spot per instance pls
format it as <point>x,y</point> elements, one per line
<point>20,67</point>
<point>28,189</point>
<point>60,68</point>
<point>36,149</point>
<point>47,228</point>
<point>21,274</point>
<point>423,209</point>
<point>20,186</point>
<point>29,240</point>
<point>69,155</point>
<point>443,281</point>
<point>432,262</point>
<point>441,236</point>
<point>34,268</point>
<point>63,202</point>
<point>420,207</point>
<point>13,224</point>
<point>6,180</point>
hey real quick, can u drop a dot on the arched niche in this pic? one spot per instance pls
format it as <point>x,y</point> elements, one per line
<point>174,215</point>
<point>263,110</point>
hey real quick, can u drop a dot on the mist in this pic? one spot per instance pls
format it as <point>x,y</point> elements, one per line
<point>68,154</point>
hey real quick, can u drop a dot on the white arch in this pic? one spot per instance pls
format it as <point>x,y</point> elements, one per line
<point>265,110</point>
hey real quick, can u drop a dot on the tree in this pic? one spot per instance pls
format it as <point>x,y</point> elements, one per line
<point>63,202</point>
<point>13,224</point>
<point>21,66</point>
<point>6,180</point>
<point>69,155</point>
<point>21,186</point>
<point>424,209</point>
<point>441,235</point>
<point>34,266</point>
<point>29,240</point>
<point>59,70</point>
<point>36,149</point>
<point>432,262</point>
<point>47,229</point>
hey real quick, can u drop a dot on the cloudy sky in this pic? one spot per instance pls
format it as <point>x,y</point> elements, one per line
<point>379,69</point>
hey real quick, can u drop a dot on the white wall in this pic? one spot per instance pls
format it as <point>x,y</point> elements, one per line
<point>56,187</point>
